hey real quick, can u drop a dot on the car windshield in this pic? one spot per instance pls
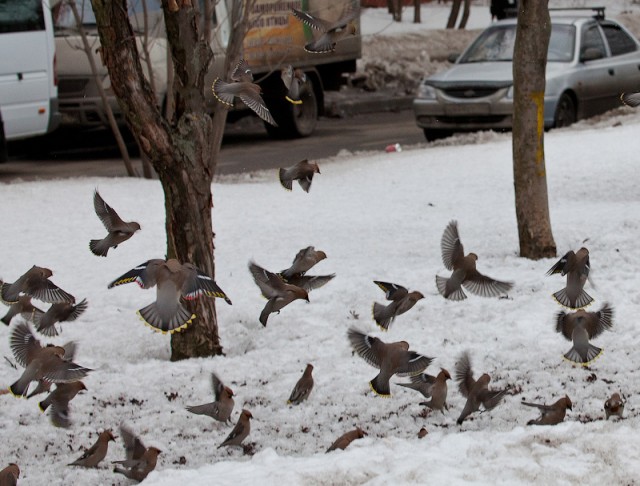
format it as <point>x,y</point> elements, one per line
<point>63,15</point>
<point>496,44</point>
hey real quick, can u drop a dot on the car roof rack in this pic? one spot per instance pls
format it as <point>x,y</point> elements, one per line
<point>598,12</point>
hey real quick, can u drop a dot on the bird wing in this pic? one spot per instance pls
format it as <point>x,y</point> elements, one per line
<point>540,406</point>
<point>23,344</point>
<point>491,398</point>
<point>310,282</point>
<point>350,14</point>
<point>451,246</point>
<point>415,364</point>
<point>242,72</point>
<point>485,286</point>
<point>197,283</point>
<point>69,351</point>
<point>600,321</point>
<point>144,275</point>
<point>565,324</point>
<point>368,347</point>
<point>563,265</point>
<point>255,102</point>
<point>392,291</point>
<point>313,22</point>
<point>77,311</point>
<point>630,99</point>
<point>270,284</point>
<point>47,291</point>
<point>63,371</point>
<point>217,386</point>
<point>464,375</point>
<point>134,448</point>
<point>106,213</point>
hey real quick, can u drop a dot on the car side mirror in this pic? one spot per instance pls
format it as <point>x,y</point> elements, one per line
<point>591,54</point>
<point>453,57</point>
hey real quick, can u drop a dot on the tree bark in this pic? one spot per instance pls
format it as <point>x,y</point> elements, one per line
<point>453,15</point>
<point>529,173</point>
<point>466,11</point>
<point>416,11</point>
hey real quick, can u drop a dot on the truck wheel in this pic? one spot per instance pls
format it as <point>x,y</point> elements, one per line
<point>294,121</point>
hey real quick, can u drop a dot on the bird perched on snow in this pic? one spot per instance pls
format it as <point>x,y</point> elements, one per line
<point>344,440</point>
<point>273,288</point>
<point>304,260</point>
<point>390,358</point>
<point>118,231</point>
<point>477,392</point>
<point>576,267</point>
<point>293,80</point>
<point>551,414</point>
<point>434,387</point>
<point>61,312</point>
<point>244,88</point>
<point>630,99</point>
<point>222,406</point>
<point>97,452</point>
<point>140,460</point>
<point>59,400</point>
<point>332,32</point>
<point>240,431</point>
<point>41,363</point>
<point>302,172</point>
<point>614,406</point>
<point>9,475</point>
<point>23,307</point>
<point>34,283</point>
<point>401,301</point>
<point>464,270</point>
<point>303,387</point>
<point>173,281</point>
<point>580,327</point>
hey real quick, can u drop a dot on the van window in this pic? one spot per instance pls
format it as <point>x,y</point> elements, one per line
<point>21,16</point>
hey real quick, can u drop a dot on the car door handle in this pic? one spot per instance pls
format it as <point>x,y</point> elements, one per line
<point>611,72</point>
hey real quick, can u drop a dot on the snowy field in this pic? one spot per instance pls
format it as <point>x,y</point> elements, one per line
<point>378,216</point>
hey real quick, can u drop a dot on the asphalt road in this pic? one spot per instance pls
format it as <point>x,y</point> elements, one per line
<point>246,147</point>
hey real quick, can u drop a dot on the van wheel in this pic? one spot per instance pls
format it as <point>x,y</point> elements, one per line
<point>432,135</point>
<point>294,121</point>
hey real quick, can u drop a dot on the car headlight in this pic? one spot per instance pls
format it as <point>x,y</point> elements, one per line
<point>426,92</point>
<point>509,94</point>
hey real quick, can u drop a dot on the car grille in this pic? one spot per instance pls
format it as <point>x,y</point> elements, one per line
<point>467,93</point>
<point>491,119</point>
<point>68,88</point>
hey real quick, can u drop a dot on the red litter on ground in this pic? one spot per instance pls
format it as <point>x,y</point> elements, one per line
<point>393,148</point>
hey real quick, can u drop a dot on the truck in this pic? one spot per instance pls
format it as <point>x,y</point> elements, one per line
<point>275,39</point>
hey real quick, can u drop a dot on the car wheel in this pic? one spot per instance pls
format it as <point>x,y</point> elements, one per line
<point>432,135</point>
<point>565,112</point>
<point>294,121</point>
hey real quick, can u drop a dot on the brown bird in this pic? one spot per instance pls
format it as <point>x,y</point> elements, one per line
<point>310,282</point>
<point>118,231</point>
<point>45,386</point>
<point>401,301</point>
<point>59,400</point>
<point>273,288</point>
<point>61,312</point>
<point>302,172</point>
<point>551,414</point>
<point>97,452</point>
<point>174,280</point>
<point>34,283</point>
<point>293,80</point>
<point>240,431</point>
<point>332,32</point>
<point>41,363</point>
<point>220,409</point>
<point>464,270</point>
<point>244,88</point>
<point>630,99</point>
<point>303,387</point>
<point>434,387</point>
<point>9,475</point>
<point>477,392</point>
<point>23,307</point>
<point>140,460</point>
<point>390,358</point>
<point>344,440</point>
<point>576,267</point>
<point>580,327</point>
<point>304,260</point>
<point>614,406</point>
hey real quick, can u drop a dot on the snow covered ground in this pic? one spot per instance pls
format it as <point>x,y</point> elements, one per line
<point>378,216</point>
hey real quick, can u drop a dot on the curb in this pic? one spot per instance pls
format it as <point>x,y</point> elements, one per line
<point>343,105</point>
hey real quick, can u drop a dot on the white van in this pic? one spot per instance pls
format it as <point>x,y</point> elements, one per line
<point>28,84</point>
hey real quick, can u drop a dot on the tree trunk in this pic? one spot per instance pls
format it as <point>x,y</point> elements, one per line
<point>416,11</point>
<point>397,10</point>
<point>465,14</point>
<point>529,174</point>
<point>453,15</point>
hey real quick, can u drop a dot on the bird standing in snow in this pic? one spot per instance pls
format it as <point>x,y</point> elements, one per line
<point>576,267</point>
<point>222,406</point>
<point>140,460</point>
<point>464,270</point>
<point>34,283</point>
<point>614,406</point>
<point>9,475</point>
<point>240,431</point>
<point>401,301</point>
<point>293,80</point>
<point>244,88</point>
<point>434,387</point>
<point>302,172</point>
<point>390,358</point>
<point>174,280</point>
<point>97,452</point>
<point>303,387</point>
<point>551,414</point>
<point>118,231</point>
<point>345,439</point>
<point>580,327</point>
<point>332,32</point>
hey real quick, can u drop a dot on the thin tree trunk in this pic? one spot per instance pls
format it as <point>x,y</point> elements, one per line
<point>131,172</point>
<point>529,173</point>
<point>465,14</point>
<point>416,11</point>
<point>453,15</point>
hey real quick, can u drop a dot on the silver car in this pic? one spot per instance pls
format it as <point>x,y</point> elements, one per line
<point>590,62</point>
